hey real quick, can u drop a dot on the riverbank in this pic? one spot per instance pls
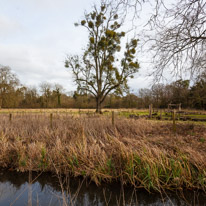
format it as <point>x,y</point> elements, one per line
<point>142,153</point>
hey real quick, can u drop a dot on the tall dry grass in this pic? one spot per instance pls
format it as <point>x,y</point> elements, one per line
<point>139,152</point>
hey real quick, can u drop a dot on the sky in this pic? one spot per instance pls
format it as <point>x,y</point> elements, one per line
<point>37,35</point>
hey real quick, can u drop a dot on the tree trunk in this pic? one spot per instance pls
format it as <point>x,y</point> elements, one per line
<point>98,106</point>
<point>59,100</point>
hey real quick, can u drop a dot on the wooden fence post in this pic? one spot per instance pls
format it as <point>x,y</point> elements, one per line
<point>150,111</point>
<point>51,120</point>
<point>113,118</point>
<point>10,117</point>
<point>160,114</point>
<point>179,110</point>
<point>173,119</point>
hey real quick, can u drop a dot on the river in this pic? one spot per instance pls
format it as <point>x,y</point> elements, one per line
<point>34,189</point>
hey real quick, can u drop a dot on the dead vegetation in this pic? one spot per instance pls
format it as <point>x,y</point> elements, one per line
<point>139,152</point>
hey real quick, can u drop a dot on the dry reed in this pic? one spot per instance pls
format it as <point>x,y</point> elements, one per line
<point>139,152</point>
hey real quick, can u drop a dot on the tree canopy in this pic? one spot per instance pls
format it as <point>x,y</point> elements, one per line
<point>104,67</point>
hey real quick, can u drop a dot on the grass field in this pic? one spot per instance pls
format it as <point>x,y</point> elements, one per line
<point>142,153</point>
<point>122,110</point>
<point>185,115</point>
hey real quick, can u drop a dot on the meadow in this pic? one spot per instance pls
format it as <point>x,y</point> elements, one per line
<point>122,112</point>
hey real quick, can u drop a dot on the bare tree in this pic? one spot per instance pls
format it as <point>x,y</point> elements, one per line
<point>46,89</point>
<point>58,89</point>
<point>178,40</point>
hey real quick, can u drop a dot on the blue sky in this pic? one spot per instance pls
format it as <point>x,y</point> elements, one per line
<point>36,35</point>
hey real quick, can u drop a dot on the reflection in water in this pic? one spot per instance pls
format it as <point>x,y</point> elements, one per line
<point>32,189</point>
<point>6,190</point>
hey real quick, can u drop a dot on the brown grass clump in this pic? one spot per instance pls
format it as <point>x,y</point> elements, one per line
<point>139,152</point>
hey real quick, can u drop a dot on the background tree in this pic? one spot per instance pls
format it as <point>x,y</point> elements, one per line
<point>180,92</point>
<point>46,90</point>
<point>99,71</point>
<point>197,93</point>
<point>58,90</point>
<point>82,100</point>
<point>146,97</point>
<point>157,94</point>
<point>130,101</point>
<point>31,98</point>
<point>8,85</point>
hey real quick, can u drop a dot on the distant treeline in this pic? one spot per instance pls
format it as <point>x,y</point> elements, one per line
<point>14,95</point>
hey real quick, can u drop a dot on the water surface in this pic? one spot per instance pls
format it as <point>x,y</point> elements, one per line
<point>21,189</point>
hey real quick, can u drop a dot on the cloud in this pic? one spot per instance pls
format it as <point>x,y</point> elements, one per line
<point>36,35</point>
<point>34,65</point>
<point>140,81</point>
<point>8,26</point>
